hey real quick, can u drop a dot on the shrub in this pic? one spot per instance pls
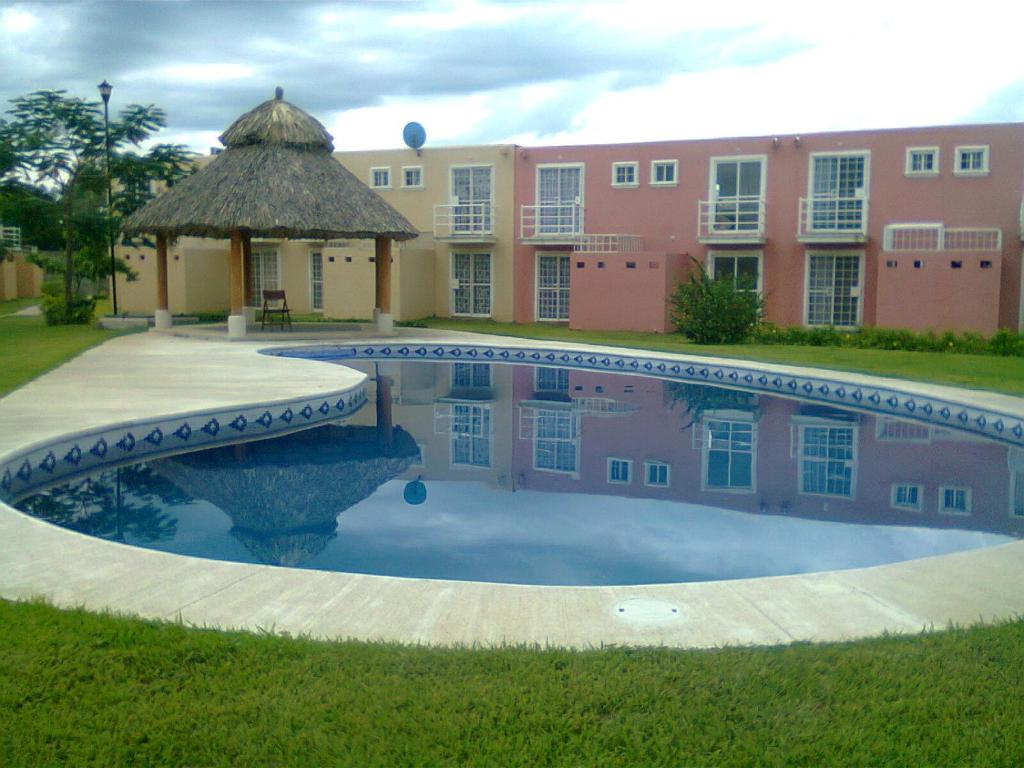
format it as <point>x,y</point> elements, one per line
<point>710,311</point>
<point>79,313</point>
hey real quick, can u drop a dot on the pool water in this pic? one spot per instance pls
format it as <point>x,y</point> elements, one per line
<point>539,475</point>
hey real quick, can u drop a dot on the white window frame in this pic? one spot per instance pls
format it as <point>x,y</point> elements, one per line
<point>962,150</point>
<point>651,464</point>
<point>807,286</point>
<point>759,255</point>
<point>955,511</point>
<point>674,164</point>
<point>558,376</point>
<point>732,417</point>
<point>894,492</point>
<point>373,176</point>
<point>472,369</point>
<point>472,284</point>
<point>801,424</point>
<point>908,168</point>
<point>405,178</point>
<point>865,188</point>
<point>612,461</point>
<point>714,197</point>
<point>636,174</point>
<point>484,435</point>
<point>316,252</point>
<point>566,426</point>
<point>263,249</point>
<point>580,201</point>
<point>536,286</point>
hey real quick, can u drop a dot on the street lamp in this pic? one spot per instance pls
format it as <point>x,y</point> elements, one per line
<point>105,89</point>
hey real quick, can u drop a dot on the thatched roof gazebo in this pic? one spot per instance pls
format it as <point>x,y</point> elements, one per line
<point>276,178</point>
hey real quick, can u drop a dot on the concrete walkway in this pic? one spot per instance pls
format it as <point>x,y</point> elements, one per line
<point>158,374</point>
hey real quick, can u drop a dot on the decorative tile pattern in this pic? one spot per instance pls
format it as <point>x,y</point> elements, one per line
<point>24,471</point>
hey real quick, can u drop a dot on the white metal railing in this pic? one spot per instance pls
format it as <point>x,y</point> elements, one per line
<point>937,237</point>
<point>732,218</point>
<point>833,216</point>
<point>11,237</point>
<point>612,243</point>
<point>559,221</point>
<point>463,219</point>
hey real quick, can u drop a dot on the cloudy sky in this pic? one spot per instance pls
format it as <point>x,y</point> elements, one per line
<point>473,71</point>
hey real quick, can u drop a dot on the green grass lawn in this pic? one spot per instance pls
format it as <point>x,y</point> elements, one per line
<point>84,689</point>
<point>11,306</point>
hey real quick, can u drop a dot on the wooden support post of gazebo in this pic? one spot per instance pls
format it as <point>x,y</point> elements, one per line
<point>162,316</point>
<point>382,297</point>
<point>236,287</point>
<point>250,300</point>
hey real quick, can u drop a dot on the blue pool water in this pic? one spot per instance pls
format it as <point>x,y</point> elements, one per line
<point>537,475</point>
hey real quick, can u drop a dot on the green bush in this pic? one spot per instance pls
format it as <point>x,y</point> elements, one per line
<point>710,311</point>
<point>57,313</point>
<point>1004,342</point>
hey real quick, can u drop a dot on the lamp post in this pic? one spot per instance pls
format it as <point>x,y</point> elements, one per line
<point>105,89</point>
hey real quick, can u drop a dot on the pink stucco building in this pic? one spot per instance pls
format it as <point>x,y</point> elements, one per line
<point>917,228</point>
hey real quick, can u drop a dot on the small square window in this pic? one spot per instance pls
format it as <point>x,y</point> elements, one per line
<point>971,161</point>
<point>580,264</point>
<point>922,161</point>
<point>891,264</point>
<point>907,496</point>
<point>600,265</point>
<point>917,263</point>
<point>956,265</point>
<point>347,259</point>
<point>954,500</point>
<point>624,175</point>
<point>412,177</point>
<point>986,264</point>
<point>656,473</point>
<point>630,265</point>
<point>620,471</point>
<point>380,178</point>
<point>664,173</point>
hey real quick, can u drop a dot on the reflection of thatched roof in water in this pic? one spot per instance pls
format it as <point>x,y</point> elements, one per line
<point>276,178</point>
<point>284,495</point>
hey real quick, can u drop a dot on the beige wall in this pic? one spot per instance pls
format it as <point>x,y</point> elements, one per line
<point>19,278</point>
<point>417,205</point>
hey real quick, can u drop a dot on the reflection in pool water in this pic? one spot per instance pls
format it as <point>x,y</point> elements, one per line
<point>554,476</point>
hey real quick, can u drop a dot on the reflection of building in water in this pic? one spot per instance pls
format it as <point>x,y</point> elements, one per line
<point>558,430</point>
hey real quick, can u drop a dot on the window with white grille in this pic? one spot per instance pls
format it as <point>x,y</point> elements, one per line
<point>624,174</point>
<point>412,177</point>
<point>556,444</point>
<point>743,269</point>
<point>971,161</point>
<point>838,192</point>
<point>922,161</point>
<point>664,173</point>
<point>737,189</point>
<point>316,281</point>
<point>560,199</point>
<point>828,460</point>
<point>471,374</point>
<point>833,289</point>
<point>551,379</point>
<point>263,272</point>
<point>954,500</point>
<point>552,287</point>
<point>380,178</point>
<point>656,474</point>
<point>471,435</point>
<point>471,196</point>
<point>620,471</point>
<point>471,284</point>
<point>728,455</point>
<point>909,496</point>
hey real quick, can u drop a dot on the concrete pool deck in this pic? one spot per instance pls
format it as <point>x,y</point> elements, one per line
<point>151,374</point>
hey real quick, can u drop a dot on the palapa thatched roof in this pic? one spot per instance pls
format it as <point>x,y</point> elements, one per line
<point>276,177</point>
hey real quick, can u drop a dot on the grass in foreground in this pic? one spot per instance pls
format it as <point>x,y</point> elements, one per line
<point>29,347</point>
<point>10,306</point>
<point>81,689</point>
<point>1003,374</point>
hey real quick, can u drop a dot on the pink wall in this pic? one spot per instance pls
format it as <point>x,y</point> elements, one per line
<point>609,294</point>
<point>666,217</point>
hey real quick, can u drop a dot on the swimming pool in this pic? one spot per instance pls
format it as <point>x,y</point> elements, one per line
<point>486,471</point>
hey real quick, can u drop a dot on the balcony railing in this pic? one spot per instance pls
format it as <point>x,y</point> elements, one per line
<point>833,219</point>
<point>938,237</point>
<point>612,243</point>
<point>464,221</point>
<point>551,222</point>
<point>739,219</point>
<point>11,237</point>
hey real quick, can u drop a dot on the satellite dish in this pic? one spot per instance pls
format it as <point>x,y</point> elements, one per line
<point>414,136</point>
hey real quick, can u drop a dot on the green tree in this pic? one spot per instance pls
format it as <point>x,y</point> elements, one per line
<point>710,311</point>
<point>58,144</point>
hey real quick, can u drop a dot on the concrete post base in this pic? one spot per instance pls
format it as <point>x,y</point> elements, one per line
<point>162,319</point>
<point>250,315</point>
<point>385,323</point>
<point>236,326</point>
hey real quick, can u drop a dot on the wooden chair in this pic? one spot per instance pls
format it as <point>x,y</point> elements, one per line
<point>275,308</point>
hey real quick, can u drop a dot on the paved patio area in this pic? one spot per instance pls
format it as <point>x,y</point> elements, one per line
<point>153,373</point>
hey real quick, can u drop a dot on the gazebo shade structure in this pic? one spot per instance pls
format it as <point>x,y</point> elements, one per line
<point>276,178</point>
